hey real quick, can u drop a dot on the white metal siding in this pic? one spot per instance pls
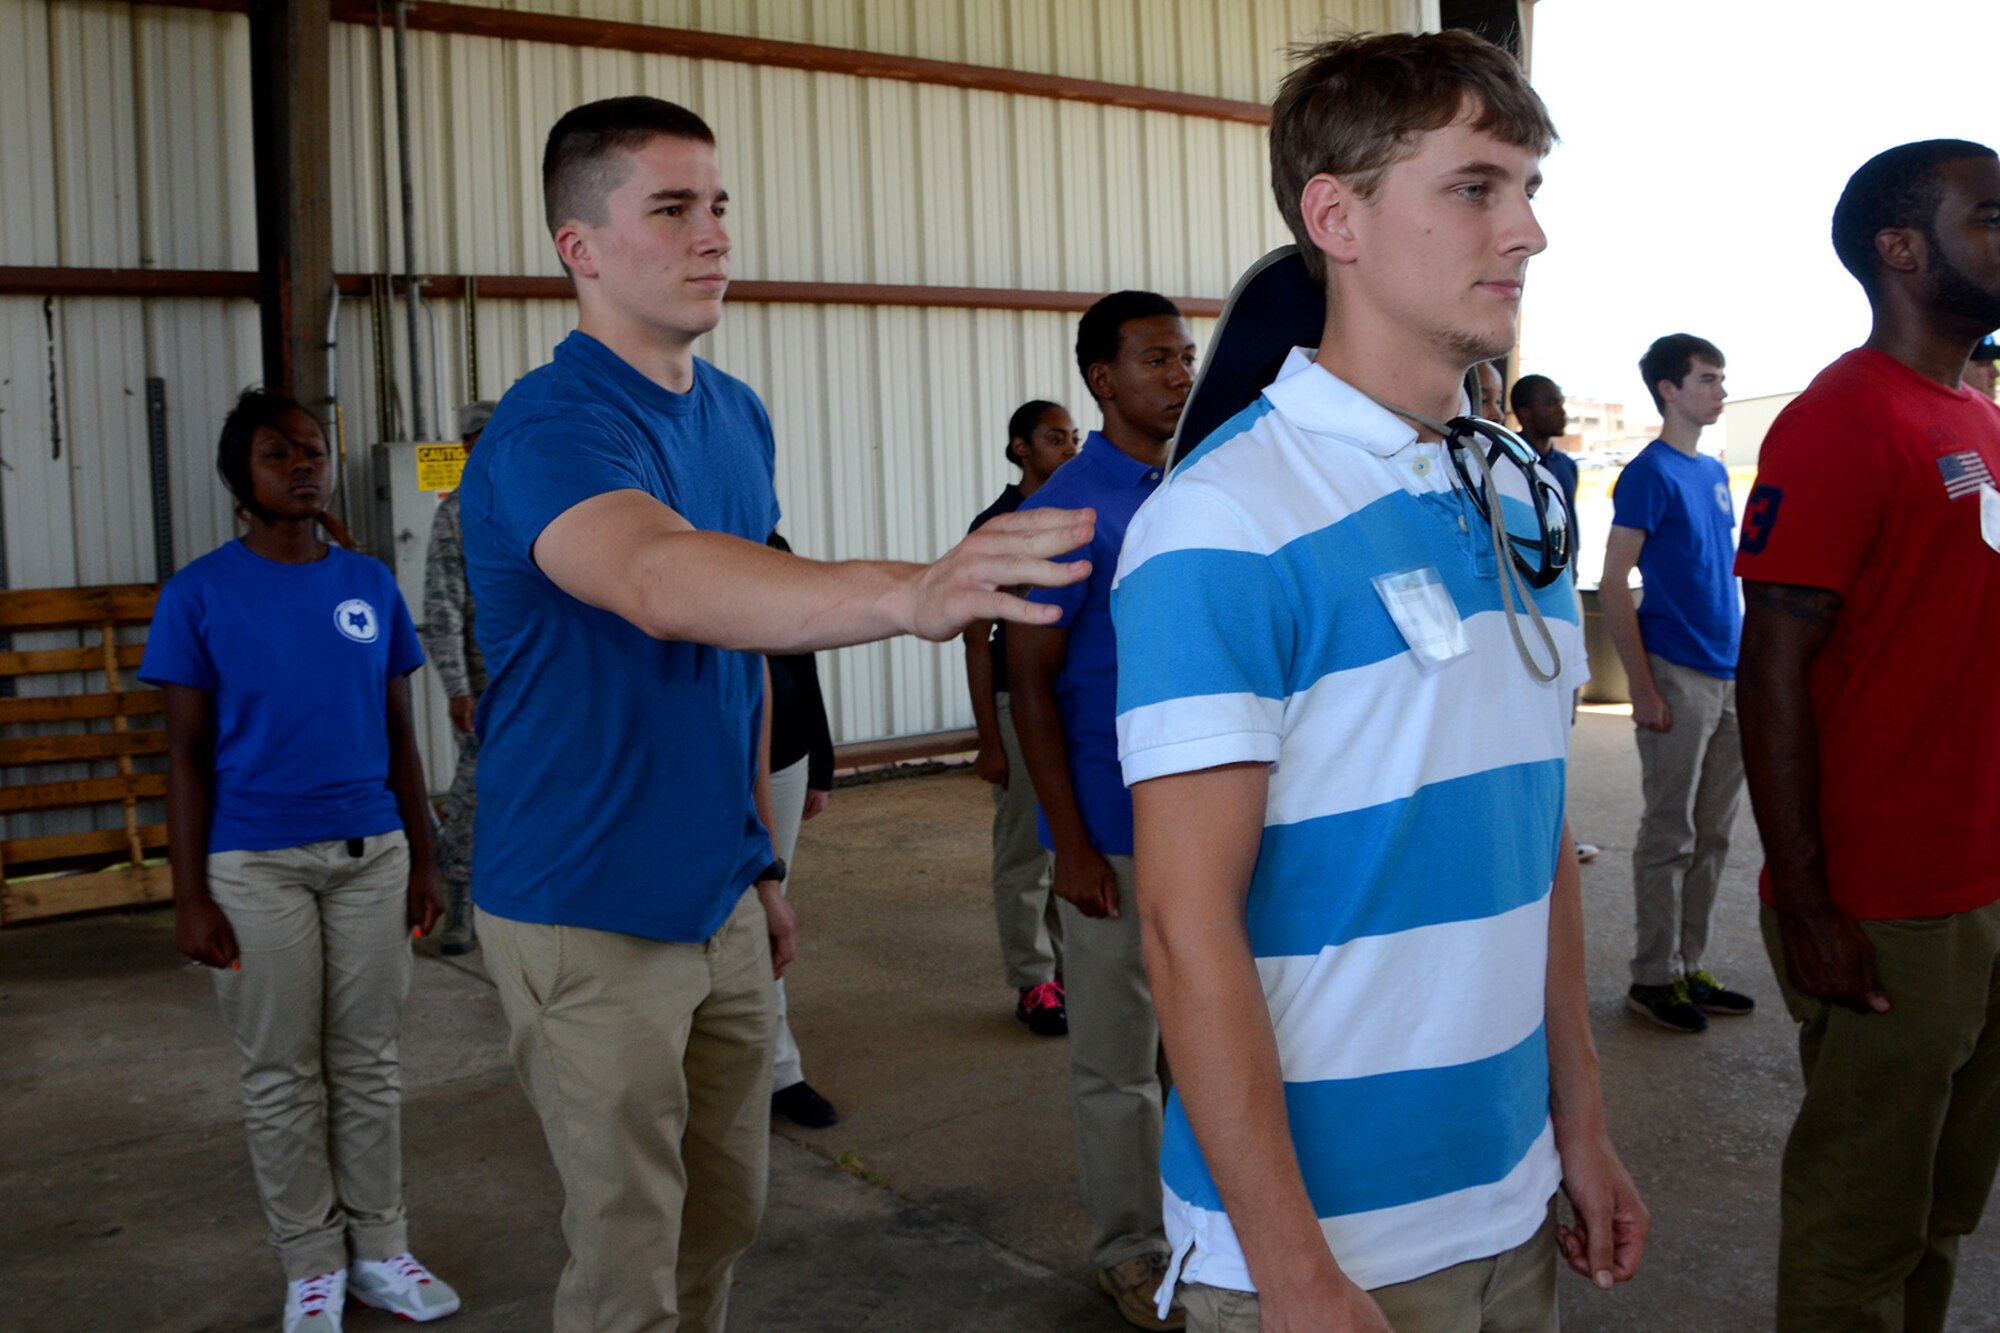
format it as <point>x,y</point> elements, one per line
<point>129,144</point>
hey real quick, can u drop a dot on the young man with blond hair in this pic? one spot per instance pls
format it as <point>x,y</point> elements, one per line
<point>629,905</point>
<point>1363,919</point>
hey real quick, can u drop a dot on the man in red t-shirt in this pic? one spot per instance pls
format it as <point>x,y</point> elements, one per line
<point>1870,559</point>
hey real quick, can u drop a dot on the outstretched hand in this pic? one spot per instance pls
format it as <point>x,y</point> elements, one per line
<point>970,582</point>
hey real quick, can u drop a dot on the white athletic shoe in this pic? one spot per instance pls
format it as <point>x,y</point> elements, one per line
<point>313,1304</point>
<point>403,1287</point>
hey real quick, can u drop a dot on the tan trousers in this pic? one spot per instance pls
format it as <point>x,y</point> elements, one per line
<point>1117,1077</point>
<point>1894,1150</point>
<point>1514,1292</point>
<point>324,939</point>
<point>650,1066</point>
<point>1024,906</point>
<point>1692,775</point>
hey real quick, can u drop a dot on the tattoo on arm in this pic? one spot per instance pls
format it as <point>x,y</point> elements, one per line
<point>1811,606</point>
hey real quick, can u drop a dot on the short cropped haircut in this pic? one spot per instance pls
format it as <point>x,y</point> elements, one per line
<point>1022,424</point>
<point>1097,333</point>
<point>1671,358</point>
<point>1896,188</point>
<point>1526,388</point>
<point>1355,106</point>
<point>583,159</point>
<point>255,410</point>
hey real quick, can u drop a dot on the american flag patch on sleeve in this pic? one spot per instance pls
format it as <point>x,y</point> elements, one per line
<point>1964,473</point>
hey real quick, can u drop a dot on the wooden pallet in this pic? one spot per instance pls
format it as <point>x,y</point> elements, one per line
<point>54,874</point>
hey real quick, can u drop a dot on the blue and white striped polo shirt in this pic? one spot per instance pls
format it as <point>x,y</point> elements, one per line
<point>1398,912</point>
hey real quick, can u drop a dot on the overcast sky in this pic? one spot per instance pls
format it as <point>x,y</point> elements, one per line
<point>1704,145</point>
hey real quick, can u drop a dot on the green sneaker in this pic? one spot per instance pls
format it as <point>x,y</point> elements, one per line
<point>1712,997</point>
<point>1670,1006</point>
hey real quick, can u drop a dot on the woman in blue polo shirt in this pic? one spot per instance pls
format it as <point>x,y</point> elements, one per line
<point>301,850</point>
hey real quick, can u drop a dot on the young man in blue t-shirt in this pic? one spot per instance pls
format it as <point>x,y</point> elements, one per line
<point>1137,359</point>
<point>1673,518</point>
<point>631,911</point>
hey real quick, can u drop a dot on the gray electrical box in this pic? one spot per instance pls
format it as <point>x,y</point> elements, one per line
<point>410,481</point>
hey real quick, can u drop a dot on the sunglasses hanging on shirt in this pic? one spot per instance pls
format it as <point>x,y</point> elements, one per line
<point>1535,557</point>
<point>1542,553</point>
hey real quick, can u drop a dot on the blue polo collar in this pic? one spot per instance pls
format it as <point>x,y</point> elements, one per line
<point>1123,469</point>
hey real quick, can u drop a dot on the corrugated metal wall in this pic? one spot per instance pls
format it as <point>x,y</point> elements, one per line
<point>129,145</point>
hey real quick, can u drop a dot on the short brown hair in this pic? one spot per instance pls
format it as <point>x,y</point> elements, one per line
<point>1354,106</point>
<point>582,161</point>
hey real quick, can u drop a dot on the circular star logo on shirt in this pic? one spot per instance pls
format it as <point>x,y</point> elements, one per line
<point>1722,496</point>
<point>356,619</point>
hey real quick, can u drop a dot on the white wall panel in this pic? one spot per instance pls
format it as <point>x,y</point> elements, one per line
<point>90,53</point>
<point>1191,46</point>
<point>195,204</point>
<point>27,166</point>
<point>35,504</point>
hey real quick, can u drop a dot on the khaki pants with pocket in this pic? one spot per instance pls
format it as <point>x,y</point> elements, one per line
<point>1024,905</point>
<point>649,1064</point>
<point>1692,775</point>
<point>1893,1153</point>
<point>1117,1077</point>
<point>316,1010</point>
<point>1513,1292</point>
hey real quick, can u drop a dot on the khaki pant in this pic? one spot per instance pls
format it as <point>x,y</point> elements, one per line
<point>1117,1077</point>
<point>324,939</point>
<point>1893,1153</point>
<point>1692,775</point>
<point>649,1065</point>
<point>1024,907</point>
<point>1514,1292</point>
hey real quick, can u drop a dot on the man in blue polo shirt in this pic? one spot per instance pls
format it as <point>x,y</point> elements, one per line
<point>630,908</point>
<point>1672,516</point>
<point>1137,359</point>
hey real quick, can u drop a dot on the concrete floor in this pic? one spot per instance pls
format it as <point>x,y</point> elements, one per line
<point>943,1200</point>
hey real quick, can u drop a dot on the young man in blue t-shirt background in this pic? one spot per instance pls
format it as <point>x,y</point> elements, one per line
<point>1672,517</point>
<point>1137,359</point>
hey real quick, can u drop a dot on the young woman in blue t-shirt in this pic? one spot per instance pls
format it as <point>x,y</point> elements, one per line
<point>302,860</point>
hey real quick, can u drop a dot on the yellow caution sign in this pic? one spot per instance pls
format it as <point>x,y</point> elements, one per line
<point>439,466</point>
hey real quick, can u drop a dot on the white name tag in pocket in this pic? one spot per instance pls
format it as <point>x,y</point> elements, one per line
<point>1421,606</point>
<point>1989,516</point>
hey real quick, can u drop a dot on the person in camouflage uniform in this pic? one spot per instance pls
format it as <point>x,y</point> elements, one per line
<point>454,655</point>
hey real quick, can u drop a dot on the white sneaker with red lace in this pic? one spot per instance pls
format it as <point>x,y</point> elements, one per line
<point>313,1304</point>
<point>403,1287</point>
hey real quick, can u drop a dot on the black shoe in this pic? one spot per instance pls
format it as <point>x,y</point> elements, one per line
<point>1712,997</point>
<point>1667,1005</point>
<point>804,1107</point>
<point>1044,1009</point>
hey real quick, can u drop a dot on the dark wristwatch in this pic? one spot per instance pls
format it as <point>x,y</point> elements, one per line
<point>777,870</point>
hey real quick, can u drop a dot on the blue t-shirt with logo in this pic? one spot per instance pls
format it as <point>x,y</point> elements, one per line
<point>615,770</point>
<point>299,660</point>
<point>1105,478</point>
<point>1691,613</point>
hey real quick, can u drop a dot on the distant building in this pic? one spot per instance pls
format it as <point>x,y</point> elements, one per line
<point>1746,420</point>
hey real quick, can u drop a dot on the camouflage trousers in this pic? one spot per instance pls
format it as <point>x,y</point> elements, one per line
<point>454,848</point>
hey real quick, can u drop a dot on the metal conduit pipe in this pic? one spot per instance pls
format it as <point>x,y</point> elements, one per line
<point>418,425</point>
